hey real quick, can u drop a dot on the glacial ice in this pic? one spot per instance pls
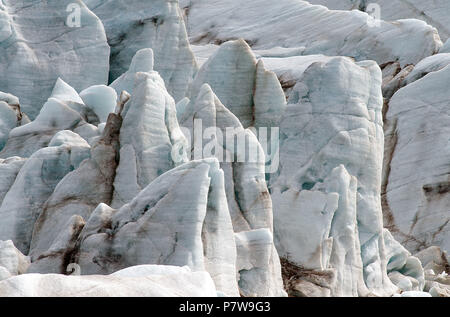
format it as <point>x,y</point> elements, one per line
<point>159,26</point>
<point>390,10</point>
<point>247,88</point>
<point>244,86</point>
<point>63,91</point>
<point>64,110</point>
<point>73,201</point>
<point>12,260</point>
<point>149,137</point>
<point>9,168</point>
<point>295,23</point>
<point>38,46</point>
<point>180,228</point>
<point>143,284</point>
<point>137,187</point>
<point>446,47</point>
<point>345,257</point>
<point>329,122</point>
<point>413,294</point>
<point>101,99</point>
<point>141,62</point>
<point>249,210</point>
<point>62,223</point>
<point>435,263</point>
<point>258,264</point>
<point>286,63</point>
<point>10,116</point>
<point>249,204</point>
<point>36,181</point>
<point>404,270</point>
<point>433,259</point>
<point>427,65</point>
<point>417,203</point>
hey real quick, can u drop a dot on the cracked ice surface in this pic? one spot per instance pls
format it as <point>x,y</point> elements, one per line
<point>419,202</point>
<point>435,14</point>
<point>108,181</point>
<point>37,47</point>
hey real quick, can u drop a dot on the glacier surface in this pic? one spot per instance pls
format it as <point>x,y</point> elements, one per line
<point>224,148</point>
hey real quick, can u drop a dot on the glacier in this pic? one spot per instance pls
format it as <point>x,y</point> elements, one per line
<point>417,203</point>
<point>134,25</point>
<point>29,55</point>
<point>203,148</point>
<point>320,31</point>
<point>391,10</point>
